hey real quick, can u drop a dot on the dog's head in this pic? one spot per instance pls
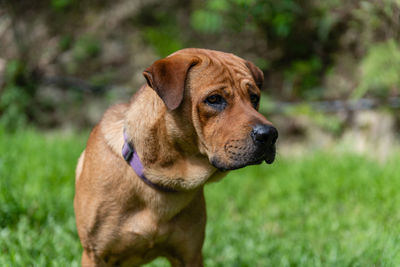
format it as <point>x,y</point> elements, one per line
<point>218,93</point>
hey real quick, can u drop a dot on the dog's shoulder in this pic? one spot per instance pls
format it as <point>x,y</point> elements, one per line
<point>111,126</point>
<point>79,166</point>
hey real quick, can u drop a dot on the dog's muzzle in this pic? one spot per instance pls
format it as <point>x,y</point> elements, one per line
<point>256,148</point>
<point>264,137</point>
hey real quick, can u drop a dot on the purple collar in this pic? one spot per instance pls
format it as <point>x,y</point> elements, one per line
<point>132,158</point>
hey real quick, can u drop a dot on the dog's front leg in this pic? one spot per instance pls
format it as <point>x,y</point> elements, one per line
<point>189,252</point>
<point>89,260</point>
<point>196,261</point>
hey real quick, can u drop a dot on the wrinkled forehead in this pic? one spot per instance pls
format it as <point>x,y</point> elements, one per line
<point>222,69</point>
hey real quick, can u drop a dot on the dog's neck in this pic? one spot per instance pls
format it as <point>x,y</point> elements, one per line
<point>161,148</point>
<point>168,165</point>
<point>132,158</point>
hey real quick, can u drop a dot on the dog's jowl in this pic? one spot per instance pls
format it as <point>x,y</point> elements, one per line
<point>139,182</point>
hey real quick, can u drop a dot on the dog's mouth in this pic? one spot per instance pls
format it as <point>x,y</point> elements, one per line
<point>256,158</point>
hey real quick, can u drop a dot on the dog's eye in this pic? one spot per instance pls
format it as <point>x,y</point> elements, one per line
<point>254,100</point>
<point>216,101</point>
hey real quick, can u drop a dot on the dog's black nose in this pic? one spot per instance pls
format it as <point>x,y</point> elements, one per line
<point>264,134</point>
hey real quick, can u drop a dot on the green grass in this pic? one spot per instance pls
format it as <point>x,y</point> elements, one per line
<point>325,209</point>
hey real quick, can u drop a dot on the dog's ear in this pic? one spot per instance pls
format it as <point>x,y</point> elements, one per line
<point>257,74</point>
<point>167,77</point>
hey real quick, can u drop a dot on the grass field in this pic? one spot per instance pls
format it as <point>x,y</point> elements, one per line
<point>325,209</point>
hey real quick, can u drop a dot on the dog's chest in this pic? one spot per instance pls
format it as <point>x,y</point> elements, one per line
<point>144,230</point>
<point>140,239</point>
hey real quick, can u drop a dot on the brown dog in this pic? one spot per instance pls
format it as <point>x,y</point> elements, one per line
<point>139,182</point>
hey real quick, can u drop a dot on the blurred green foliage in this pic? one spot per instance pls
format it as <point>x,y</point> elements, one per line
<point>328,122</point>
<point>380,69</point>
<point>65,42</point>
<point>17,94</point>
<point>309,35</point>
<point>238,15</point>
<point>61,4</point>
<point>85,47</point>
<point>279,23</point>
<point>164,39</point>
<point>297,43</point>
<point>206,21</point>
<point>159,29</point>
